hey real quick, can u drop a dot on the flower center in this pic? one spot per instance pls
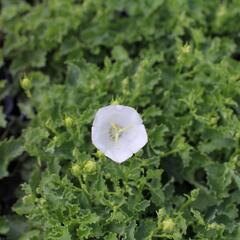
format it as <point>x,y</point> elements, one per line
<point>116,131</point>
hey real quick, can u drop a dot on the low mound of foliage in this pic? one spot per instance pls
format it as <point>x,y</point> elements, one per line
<point>177,63</point>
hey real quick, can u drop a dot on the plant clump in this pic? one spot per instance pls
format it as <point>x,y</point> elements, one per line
<point>176,63</point>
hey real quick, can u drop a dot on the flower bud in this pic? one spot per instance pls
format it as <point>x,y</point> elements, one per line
<point>100,154</point>
<point>221,11</point>
<point>186,48</point>
<point>90,166</point>
<point>214,226</point>
<point>168,225</point>
<point>42,201</point>
<point>26,83</point>
<point>108,175</point>
<point>68,122</point>
<point>75,170</point>
<point>213,120</point>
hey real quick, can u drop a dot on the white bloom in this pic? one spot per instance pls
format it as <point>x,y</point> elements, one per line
<point>118,132</point>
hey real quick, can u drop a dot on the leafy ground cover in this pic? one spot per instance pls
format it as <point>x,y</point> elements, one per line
<point>176,62</point>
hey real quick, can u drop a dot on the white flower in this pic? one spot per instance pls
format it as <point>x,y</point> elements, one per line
<point>118,132</point>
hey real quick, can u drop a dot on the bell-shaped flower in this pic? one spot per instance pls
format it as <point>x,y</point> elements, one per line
<point>118,132</point>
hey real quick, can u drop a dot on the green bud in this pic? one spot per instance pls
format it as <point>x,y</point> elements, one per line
<point>99,154</point>
<point>68,122</point>
<point>90,166</point>
<point>214,226</point>
<point>55,138</point>
<point>221,11</point>
<point>213,120</point>
<point>168,225</point>
<point>75,170</point>
<point>186,48</point>
<point>26,83</point>
<point>42,201</point>
<point>108,175</point>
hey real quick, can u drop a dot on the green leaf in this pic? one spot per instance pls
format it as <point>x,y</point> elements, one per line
<point>119,53</point>
<point>30,235</point>
<point>3,121</point>
<point>4,226</point>
<point>9,150</point>
<point>219,184</point>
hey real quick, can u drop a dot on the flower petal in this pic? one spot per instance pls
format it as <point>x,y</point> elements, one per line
<point>136,137</point>
<point>119,152</point>
<point>101,139</point>
<point>118,114</point>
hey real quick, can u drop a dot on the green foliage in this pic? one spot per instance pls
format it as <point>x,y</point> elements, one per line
<point>2,118</point>
<point>193,134</point>
<point>176,63</point>
<point>4,228</point>
<point>9,150</point>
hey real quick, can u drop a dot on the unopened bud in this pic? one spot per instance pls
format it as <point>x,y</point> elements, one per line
<point>168,225</point>
<point>76,170</point>
<point>42,201</point>
<point>186,48</point>
<point>90,166</point>
<point>213,120</point>
<point>68,122</point>
<point>100,154</point>
<point>26,83</point>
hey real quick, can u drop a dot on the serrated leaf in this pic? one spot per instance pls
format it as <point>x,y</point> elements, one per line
<point>9,150</point>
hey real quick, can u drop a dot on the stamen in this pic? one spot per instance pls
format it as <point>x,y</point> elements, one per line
<point>116,131</point>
